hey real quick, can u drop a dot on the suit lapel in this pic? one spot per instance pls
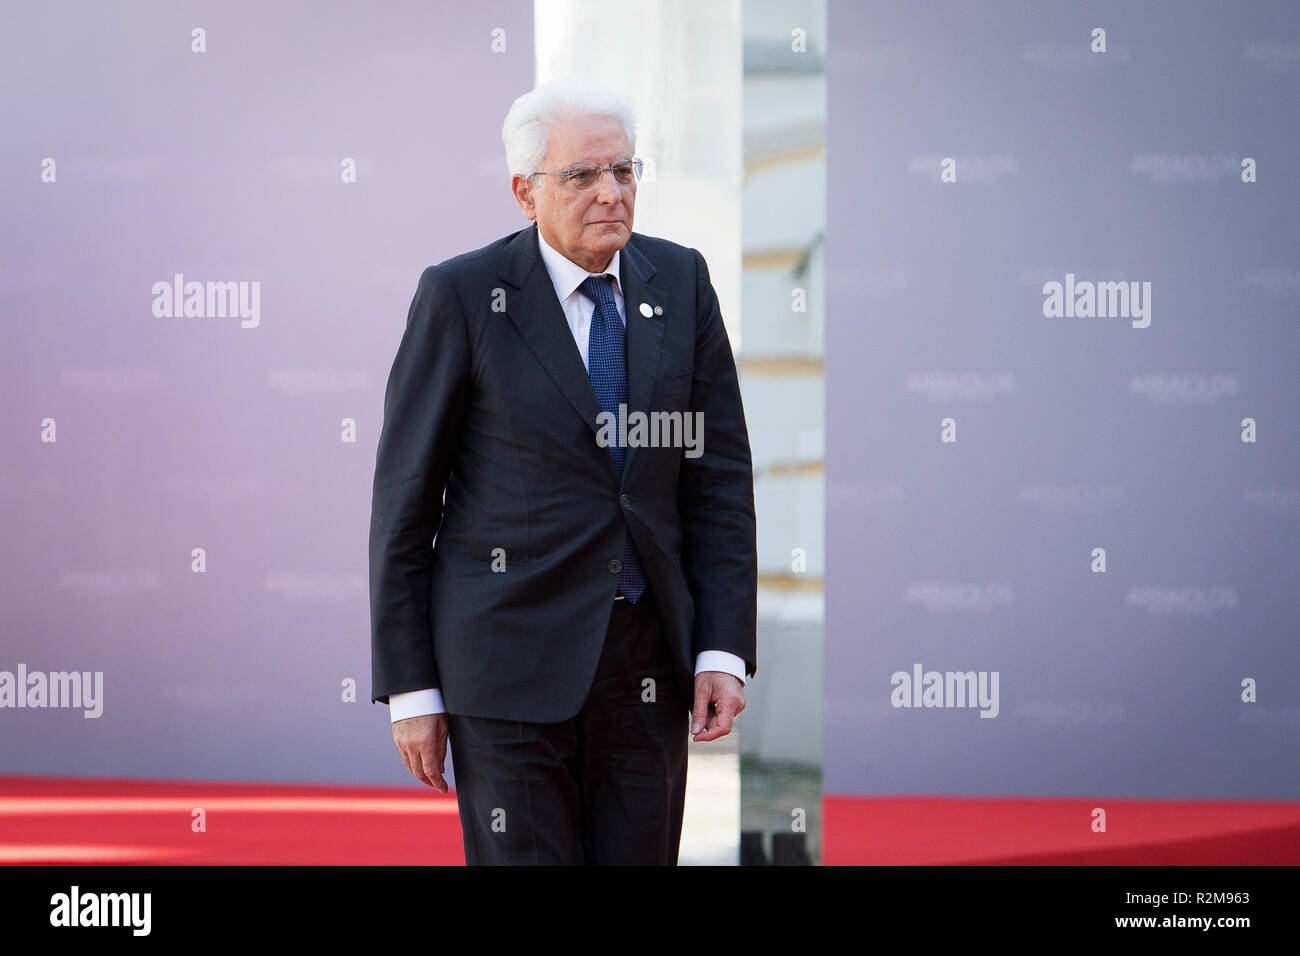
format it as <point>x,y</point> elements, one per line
<point>540,321</point>
<point>645,335</point>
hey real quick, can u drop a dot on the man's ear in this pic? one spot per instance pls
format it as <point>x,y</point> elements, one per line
<point>523,190</point>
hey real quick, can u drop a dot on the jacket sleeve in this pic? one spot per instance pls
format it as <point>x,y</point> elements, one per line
<point>423,408</point>
<point>715,494</point>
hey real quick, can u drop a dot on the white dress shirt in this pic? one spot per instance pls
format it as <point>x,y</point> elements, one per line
<point>566,275</point>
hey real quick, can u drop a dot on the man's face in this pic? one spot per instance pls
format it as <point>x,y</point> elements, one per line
<point>587,227</point>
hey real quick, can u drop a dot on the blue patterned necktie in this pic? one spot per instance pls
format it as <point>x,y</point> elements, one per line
<point>607,366</point>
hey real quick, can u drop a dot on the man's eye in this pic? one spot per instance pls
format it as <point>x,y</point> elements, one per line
<point>582,177</point>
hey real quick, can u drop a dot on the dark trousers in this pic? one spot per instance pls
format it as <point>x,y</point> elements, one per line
<point>606,787</point>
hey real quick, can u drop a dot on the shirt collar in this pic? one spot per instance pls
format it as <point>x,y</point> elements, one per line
<point>566,275</point>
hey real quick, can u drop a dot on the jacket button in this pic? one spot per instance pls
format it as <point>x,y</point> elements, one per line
<point>626,500</point>
<point>615,565</point>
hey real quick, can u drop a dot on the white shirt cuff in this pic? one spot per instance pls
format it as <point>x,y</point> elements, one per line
<point>415,703</point>
<point>724,661</point>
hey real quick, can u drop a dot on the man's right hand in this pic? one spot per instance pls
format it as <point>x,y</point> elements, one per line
<point>422,742</point>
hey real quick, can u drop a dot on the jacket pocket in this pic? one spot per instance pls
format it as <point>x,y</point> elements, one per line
<point>675,386</point>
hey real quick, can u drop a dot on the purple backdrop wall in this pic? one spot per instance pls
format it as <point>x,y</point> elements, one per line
<point>1071,434</point>
<point>225,434</point>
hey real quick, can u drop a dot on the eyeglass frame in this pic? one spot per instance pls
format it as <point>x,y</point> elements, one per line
<point>638,167</point>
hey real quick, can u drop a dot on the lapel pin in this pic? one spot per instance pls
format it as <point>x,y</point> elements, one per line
<point>659,310</point>
<point>646,310</point>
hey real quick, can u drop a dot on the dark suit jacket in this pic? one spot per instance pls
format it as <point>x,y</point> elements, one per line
<point>488,397</point>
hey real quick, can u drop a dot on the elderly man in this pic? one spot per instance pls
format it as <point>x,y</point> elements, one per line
<point>592,587</point>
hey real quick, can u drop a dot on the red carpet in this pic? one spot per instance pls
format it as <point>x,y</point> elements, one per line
<point>79,821</point>
<point>1057,831</point>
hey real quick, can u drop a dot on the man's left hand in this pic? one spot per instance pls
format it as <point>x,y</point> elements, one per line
<point>719,697</point>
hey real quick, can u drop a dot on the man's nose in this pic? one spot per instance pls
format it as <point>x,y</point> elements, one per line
<point>607,189</point>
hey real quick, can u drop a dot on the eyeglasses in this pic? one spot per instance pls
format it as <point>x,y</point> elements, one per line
<point>583,176</point>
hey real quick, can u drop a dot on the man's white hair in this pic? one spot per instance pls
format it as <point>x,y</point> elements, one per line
<point>527,129</point>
